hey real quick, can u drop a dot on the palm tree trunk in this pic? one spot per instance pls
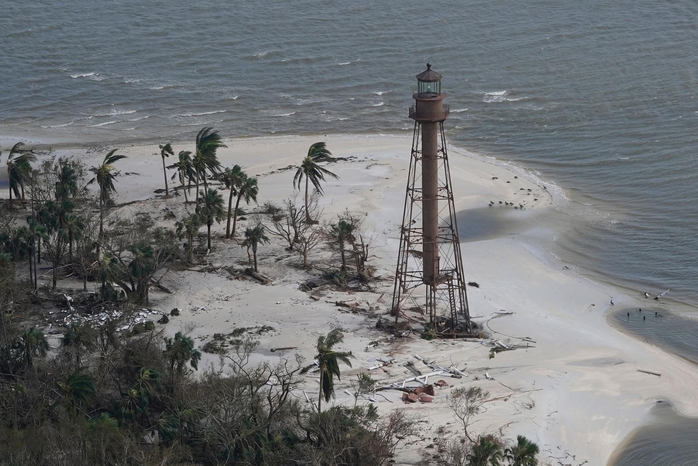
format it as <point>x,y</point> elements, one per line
<point>307,212</point>
<point>11,194</point>
<point>230,205</point>
<point>344,257</point>
<point>208,226</point>
<point>254,253</point>
<point>197,187</point>
<point>184,188</point>
<point>56,263</point>
<point>70,246</point>
<point>101,225</point>
<point>164,172</point>
<point>235,214</point>
<point>319,398</point>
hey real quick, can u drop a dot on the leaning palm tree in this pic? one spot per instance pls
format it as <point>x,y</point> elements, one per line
<point>523,453</point>
<point>19,169</point>
<point>253,238</point>
<point>312,172</point>
<point>486,452</point>
<point>105,176</point>
<point>165,151</point>
<point>328,362</point>
<point>247,190</point>
<point>77,389</point>
<point>210,208</point>
<point>205,160</point>
<point>231,178</point>
<point>185,171</point>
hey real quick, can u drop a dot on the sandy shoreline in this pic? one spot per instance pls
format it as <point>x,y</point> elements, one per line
<point>576,391</point>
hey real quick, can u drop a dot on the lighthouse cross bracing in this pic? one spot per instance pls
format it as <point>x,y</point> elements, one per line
<point>429,275</point>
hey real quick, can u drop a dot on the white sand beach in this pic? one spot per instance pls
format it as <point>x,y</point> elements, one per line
<point>576,390</point>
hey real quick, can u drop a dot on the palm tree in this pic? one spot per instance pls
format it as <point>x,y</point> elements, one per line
<point>33,344</point>
<point>247,190</point>
<point>179,351</point>
<point>253,238</point>
<point>67,183</point>
<point>486,452</point>
<point>311,171</point>
<point>231,178</point>
<point>523,453</point>
<point>185,171</point>
<point>106,269</point>
<point>165,151</point>
<point>105,176</point>
<point>74,225</point>
<point>207,143</point>
<point>19,169</point>
<point>210,208</point>
<point>79,337</point>
<point>77,388</point>
<point>189,227</point>
<point>328,362</point>
<point>342,232</point>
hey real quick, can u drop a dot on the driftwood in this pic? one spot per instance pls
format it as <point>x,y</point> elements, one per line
<point>160,287</point>
<point>649,372</point>
<point>257,276</point>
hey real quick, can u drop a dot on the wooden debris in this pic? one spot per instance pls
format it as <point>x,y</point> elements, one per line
<point>285,348</point>
<point>649,372</point>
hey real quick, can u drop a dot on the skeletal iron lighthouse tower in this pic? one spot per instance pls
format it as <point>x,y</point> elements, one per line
<point>429,275</point>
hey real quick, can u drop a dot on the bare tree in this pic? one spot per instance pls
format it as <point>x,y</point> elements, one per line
<point>466,403</point>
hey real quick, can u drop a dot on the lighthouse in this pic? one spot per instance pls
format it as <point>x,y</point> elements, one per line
<point>429,274</point>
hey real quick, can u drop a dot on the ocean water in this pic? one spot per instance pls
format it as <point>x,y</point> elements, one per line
<point>599,97</point>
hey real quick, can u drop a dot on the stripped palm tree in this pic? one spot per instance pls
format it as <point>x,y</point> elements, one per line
<point>253,238</point>
<point>231,178</point>
<point>165,151</point>
<point>185,171</point>
<point>19,169</point>
<point>312,172</point>
<point>188,228</point>
<point>105,175</point>
<point>205,160</point>
<point>328,361</point>
<point>247,190</point>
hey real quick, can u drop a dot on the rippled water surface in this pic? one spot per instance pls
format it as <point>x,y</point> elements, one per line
<point>670,439</point>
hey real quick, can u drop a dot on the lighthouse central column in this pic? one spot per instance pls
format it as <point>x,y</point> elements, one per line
<point>430,203</point>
